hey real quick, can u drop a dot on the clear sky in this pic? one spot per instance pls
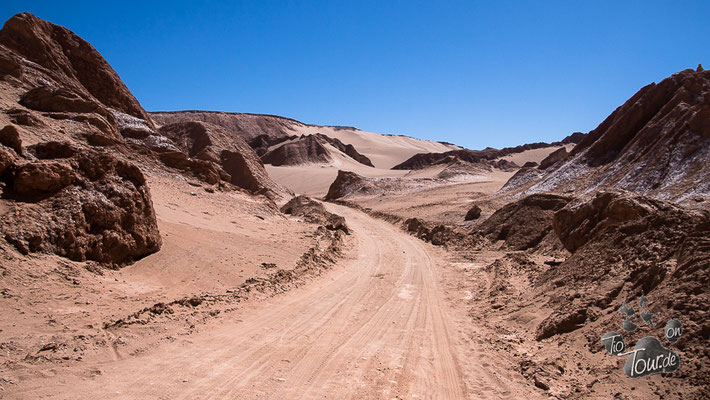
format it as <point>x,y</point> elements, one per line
<point>495,73</point>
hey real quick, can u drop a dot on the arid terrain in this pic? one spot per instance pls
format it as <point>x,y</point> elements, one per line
<point>211,255</point>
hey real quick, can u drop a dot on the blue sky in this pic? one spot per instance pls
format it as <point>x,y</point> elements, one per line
<point>497,73</point>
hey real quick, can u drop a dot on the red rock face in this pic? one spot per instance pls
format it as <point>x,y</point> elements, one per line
<point>70,60</point>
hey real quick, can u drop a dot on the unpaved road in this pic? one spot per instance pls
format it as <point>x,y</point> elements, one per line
<point>377,326</point>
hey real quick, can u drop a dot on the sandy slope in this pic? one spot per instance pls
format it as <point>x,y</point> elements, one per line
<point>385,151</point>
<point>378,326</point>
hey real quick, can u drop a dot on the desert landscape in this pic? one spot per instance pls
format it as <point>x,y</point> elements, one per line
<point>209,255</point>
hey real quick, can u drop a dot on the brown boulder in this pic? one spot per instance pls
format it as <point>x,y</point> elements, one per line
<point>105,212</point>
<point>438,235</point>
<point>7,160</point>
<point>473,213</point>
<point>347,183</point>
<point>10,137</point>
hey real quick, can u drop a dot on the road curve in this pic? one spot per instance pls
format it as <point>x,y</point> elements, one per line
<point>375,327</point>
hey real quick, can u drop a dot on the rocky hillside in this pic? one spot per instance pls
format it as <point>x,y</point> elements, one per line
<point>657,144</point>
<point>208,142</point>
<point>623,247</point>
<point>248,126</point>
<point>265,132</point>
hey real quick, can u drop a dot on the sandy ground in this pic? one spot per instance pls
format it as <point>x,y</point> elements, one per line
<point>378,326</point>
<point>393,318</point>
<point>212,242</point>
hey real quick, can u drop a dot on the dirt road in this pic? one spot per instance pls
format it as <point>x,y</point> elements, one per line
<point>377,326</point>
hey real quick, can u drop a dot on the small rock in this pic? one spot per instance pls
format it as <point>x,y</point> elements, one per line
<point>473,213</point>
<point>10,137</point>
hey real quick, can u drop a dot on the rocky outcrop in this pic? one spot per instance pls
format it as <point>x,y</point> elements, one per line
<point>83,205</point>
<point>624,246</point>
<point>309,149</point>
<point>261,143</point>
<point>347,149</point>
<point>578,224</point>
<point>70,62</point>
<point>347,183</point>
<point>210,143</point>
<point>205,171</point>
<point>314,212</point>
<point>573,138</point>
<point>438,234</point>
<point>657,143</point>
<point>553,158</point>
<point>47,98</point>
<point>525,223</point>
<point>304,150</point>
<point>42,178</point>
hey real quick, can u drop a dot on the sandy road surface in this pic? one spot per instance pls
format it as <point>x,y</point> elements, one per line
<point>376,327</point>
